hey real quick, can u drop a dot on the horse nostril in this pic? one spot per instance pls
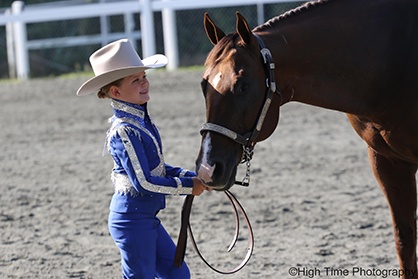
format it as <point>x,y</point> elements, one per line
<point>206,172</point>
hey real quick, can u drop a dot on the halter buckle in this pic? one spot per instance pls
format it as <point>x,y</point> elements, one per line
<point>266,54</point>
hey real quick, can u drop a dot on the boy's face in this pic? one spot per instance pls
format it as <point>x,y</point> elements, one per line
<point>133,89</point>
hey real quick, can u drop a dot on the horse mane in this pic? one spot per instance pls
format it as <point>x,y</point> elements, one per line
<point>231,40</point>
<point>299,10</point>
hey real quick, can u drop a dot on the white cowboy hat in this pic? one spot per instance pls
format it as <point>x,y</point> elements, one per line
<point>115,61</point>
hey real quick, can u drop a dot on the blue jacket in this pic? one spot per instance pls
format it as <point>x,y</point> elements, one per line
<point>140,176</point>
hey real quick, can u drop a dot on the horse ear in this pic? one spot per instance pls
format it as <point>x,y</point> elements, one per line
<point>214,33</point>
<point>243,29</point>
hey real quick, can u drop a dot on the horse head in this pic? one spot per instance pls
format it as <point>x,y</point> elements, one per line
<point>234,87</point>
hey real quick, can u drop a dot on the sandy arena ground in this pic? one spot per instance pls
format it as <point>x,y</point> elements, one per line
<point>313,201</point>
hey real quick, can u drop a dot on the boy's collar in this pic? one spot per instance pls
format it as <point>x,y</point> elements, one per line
<point>135,110</point>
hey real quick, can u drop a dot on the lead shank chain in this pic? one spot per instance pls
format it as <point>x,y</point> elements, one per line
<point>247,155</point>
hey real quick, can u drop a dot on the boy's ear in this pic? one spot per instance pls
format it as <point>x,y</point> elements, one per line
<point>114,91</point>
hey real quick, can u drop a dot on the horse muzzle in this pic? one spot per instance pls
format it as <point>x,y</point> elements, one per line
<point>214,176</point>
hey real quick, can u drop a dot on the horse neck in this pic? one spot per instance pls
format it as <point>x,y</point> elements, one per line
<point>316,62</point>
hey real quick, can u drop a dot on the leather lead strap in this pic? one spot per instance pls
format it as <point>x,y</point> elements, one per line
<point>182,240</point>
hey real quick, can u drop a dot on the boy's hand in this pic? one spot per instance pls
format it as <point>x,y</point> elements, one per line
<point>199,187</point>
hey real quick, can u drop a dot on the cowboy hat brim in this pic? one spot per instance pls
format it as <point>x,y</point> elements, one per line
<point>94,84</point>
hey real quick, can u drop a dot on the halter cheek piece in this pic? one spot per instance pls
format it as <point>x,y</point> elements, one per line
<point>248,140</point>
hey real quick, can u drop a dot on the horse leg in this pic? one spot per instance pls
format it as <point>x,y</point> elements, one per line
<point>397,180</point>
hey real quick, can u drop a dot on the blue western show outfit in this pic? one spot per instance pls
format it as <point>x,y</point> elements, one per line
<point>141,180</point>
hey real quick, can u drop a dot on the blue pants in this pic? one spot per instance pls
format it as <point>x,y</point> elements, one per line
<point>146,249</point>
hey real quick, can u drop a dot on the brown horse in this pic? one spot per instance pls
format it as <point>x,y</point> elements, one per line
<point>355,56</point>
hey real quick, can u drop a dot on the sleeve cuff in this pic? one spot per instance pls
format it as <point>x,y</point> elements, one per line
<point>187,173</point>
<point>184,186</point>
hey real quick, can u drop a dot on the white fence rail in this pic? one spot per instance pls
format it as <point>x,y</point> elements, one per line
<point>16,19</point>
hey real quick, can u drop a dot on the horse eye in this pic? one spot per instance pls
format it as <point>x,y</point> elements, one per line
<point>244,87</point>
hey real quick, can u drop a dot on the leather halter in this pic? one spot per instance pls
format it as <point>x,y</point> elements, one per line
<point>249,138</point>
<point>248,142</point>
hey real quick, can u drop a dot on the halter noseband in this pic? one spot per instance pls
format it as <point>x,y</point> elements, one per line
<point>248,140</point>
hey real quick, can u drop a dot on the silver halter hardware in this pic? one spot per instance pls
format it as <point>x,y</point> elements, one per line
<point>247,155</point>
<point>248,140</point>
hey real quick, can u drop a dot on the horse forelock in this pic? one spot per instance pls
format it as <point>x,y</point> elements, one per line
<point>223,52</point>
<point>224,48</point>
<point>297,11</point>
